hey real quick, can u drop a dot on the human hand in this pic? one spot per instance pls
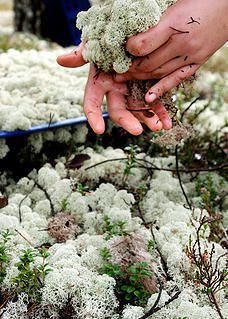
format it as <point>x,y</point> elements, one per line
<point>189,32</point>
<point>100,84</point>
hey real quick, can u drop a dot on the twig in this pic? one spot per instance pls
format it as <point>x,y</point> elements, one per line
<point>219,147</point>
<point>46,194</point>
<point>48,197</point>
<point>19,207</point>
<point>28,241</point>
<point>207,274</point>
<point>7,299</point>
<point>151,311</point>
<point>179,178</point>
<point>141,215</point>
<point>163,262</point>
<point>50,119</point>
<point>190,170</point>
<point>186,110</point>
<point>106,161</point>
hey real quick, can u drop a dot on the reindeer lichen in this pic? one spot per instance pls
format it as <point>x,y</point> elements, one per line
<point>106,28</point>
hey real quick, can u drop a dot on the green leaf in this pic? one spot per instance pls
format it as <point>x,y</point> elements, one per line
<point>128,297</point>
<point>124,287</point>
<point>130,289</point>
<point>134,278</point>
<point>147,273</point>
<point>137,293</point>
<point>133,270</point>
<point>143,264</point>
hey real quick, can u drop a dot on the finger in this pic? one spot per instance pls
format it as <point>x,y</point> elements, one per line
<point>170,81</point>
<point>107,82</point>
<point>152,121</point>
<point>168,67</point>
<point>120,115</point>
<point>144,43</point>
<point>162,114</point>
<point>157,58</point>
<point>72,59</point>
<point>93,99</point>
<point>124,77</point>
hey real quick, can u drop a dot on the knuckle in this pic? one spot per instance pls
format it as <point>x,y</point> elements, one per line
<point>140,47</point>
<point>184,73</point>
<point>191,44</point>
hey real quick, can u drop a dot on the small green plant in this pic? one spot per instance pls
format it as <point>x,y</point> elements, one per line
<point>136,289</point>
<point>30,278</point>
<point>141,192</point>
<point>206,271</point>
<point>129,286</point>
<point>82,189</point>
<point>130,162</point>
<point>64,205</point>
<point>115,228</point>
<point>151,245</point>
<point>108,268</point>
<point>4,254</point>
<point>206,189</point>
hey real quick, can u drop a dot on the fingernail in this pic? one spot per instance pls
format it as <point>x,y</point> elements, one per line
<point>151,97</point>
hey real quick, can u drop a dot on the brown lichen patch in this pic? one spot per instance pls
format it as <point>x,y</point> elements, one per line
<point>131,249</point>
<point>174,136</point>
<point>63,227</point>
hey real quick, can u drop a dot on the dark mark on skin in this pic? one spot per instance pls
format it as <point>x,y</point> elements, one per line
<point>185,58</point>
<point>182,71</point>
<point>147,111</point>
<point>98,72</point>
<point>140,62</point>
<point>178,31</point>
<point>193,21</point>
<point>148,114</point>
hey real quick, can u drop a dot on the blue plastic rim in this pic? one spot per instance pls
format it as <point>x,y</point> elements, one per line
<point>70,9</point>
<point>47,126</point>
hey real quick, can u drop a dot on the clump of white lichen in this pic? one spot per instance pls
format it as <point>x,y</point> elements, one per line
<point>106,28</point>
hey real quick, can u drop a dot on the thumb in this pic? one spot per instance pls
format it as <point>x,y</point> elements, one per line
<point>73,59</point>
